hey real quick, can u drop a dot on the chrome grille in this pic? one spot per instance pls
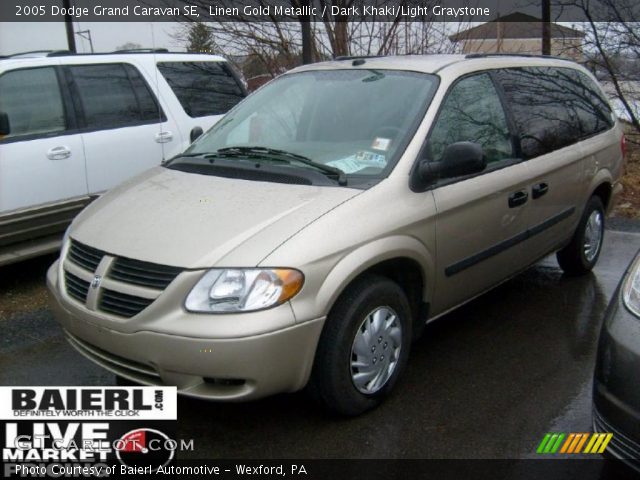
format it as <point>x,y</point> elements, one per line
<point>122,304</point>
<point>76,287</point>
<point>118,292</point>
<point>141,273</point>
<point>85,256</point>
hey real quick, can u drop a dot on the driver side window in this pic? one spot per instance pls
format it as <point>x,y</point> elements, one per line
<point>472,112</point>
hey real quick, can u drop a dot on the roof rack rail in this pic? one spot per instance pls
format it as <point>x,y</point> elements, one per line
<point>38,53</point>
<point>526,55</point>
<point>64,53</point>
<point>142,50</point>
<point>61,53</point>
<point>356,57</point>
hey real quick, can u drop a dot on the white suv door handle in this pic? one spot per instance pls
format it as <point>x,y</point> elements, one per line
<point>164,137</point>
<point>58,153</point>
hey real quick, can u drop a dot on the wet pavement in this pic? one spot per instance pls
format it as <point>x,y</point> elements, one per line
<point>486,381</point>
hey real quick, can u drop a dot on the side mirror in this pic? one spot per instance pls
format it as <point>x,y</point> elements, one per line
<point>195,134</point>
<point>458,159</point>
<point>5,128</point>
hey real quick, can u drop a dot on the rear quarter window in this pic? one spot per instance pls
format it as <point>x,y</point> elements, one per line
<point>597,115</point>
<point>203,88</point>
<point>553,107</point>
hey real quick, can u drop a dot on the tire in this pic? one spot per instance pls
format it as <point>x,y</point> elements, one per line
<point>582,253</point>
<point>356,314</point>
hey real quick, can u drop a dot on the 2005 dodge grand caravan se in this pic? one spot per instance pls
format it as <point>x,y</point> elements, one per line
<point>310,234</point>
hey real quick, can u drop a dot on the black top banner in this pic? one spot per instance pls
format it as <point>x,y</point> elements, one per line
<point>317,10</point>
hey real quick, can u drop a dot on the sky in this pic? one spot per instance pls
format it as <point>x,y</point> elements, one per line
<point>27,36</point>
<point>18,37</point>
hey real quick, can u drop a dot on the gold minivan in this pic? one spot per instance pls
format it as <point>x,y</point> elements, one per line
<point>307,238</point>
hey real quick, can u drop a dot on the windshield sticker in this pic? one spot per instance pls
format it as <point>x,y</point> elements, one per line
<point>380,143</point>
<point>371,159</point>
<point>347,165</point>
<point>359,161</point>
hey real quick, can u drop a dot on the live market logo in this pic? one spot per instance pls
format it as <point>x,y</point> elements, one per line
<point>135,449</point>
<point>80,431</point>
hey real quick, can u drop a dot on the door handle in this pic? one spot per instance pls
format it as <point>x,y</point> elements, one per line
<point>164,137</point>
<point>58,153</point>
<point>518,198</point>
<point>539,190</point>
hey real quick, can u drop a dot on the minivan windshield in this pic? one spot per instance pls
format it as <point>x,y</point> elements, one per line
<point>353,122</point>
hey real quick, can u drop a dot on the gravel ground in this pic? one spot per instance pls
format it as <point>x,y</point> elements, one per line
<point>23,286</point>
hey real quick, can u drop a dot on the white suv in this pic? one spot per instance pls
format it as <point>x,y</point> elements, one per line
<point>73,126</point>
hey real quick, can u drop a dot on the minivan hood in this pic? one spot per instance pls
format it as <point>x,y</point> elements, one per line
<point>196,221</point>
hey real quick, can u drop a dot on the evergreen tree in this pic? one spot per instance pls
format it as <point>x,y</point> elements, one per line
<point>199,38</point>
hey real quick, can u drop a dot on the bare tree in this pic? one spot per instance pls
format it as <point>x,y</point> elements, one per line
<point>276,43</point>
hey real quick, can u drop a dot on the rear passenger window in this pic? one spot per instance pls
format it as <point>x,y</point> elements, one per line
<point>114,95</point>
<point>32,101</point>
<point>472,112</point>
<point>203,88</point>
<point>553,107</point>
<point>596,115</point>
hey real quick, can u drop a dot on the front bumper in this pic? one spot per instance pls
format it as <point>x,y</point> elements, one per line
<point>616,396</point>
<point>203,366</point>
<point>620,447</point>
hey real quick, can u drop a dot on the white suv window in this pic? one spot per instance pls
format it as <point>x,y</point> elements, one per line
<point>114,95</point>
<point>32,101</point>
<point>203,88</point>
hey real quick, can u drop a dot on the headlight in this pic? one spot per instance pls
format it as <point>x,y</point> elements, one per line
<point>631,289</point>
<point>243,290</point>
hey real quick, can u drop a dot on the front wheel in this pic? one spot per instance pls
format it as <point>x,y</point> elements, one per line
<point>363,348</point>
<point>581,255</point>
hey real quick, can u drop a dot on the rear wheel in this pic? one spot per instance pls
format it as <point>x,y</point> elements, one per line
<point>363,348</point>
<point>581,255</point>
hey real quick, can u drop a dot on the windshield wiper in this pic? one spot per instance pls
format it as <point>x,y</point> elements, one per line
<point>168,161</point>
<point>284,155</point>
<point>205,155</point>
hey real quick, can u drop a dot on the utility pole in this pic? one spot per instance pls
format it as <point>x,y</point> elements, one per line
<point>307,54</point>
<point>305,24</point>
<point>82,33</point>
<point>68,23</point>
<point>546,27</point>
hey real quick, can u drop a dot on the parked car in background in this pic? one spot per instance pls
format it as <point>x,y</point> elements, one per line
<point>310,234</point>
<point>74,126</point>
<point>616,388</point>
